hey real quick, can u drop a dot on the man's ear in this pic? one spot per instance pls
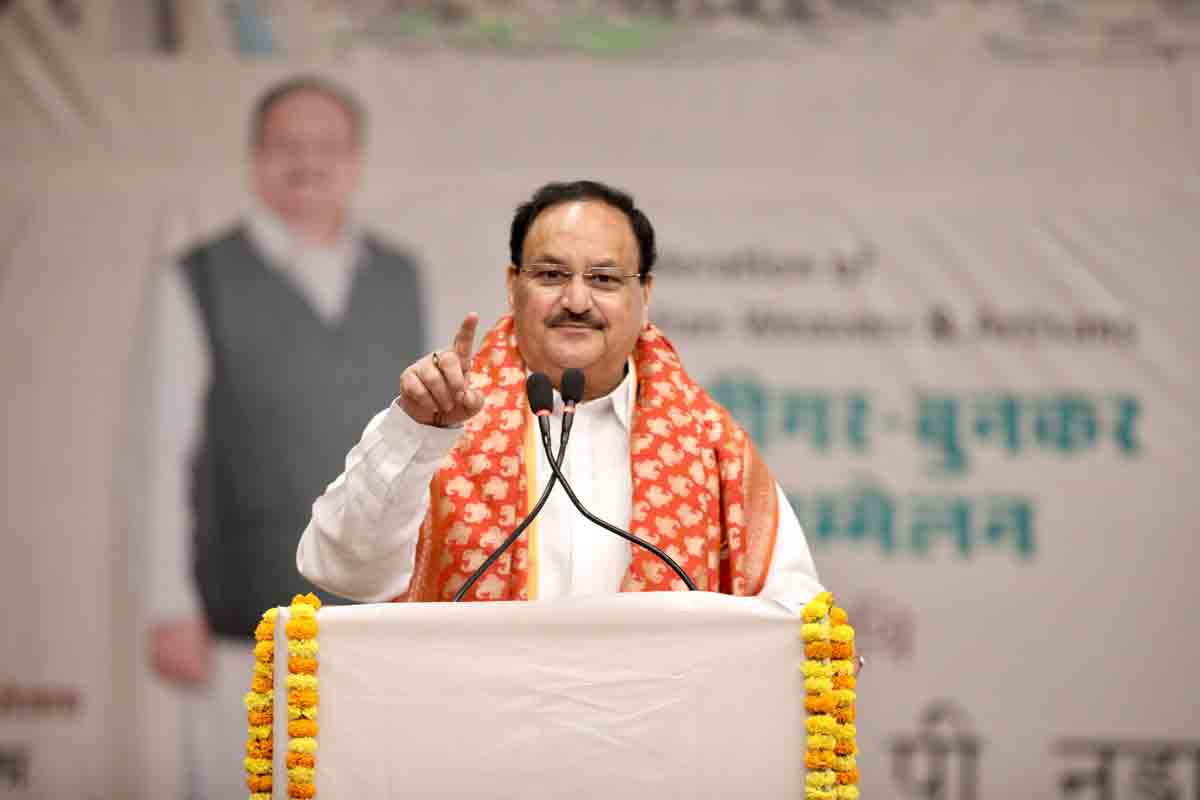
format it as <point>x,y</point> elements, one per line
<point>511,283</point>
<point>647,290</point>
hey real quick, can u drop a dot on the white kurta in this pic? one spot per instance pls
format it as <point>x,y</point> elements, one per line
<point>361,541</point>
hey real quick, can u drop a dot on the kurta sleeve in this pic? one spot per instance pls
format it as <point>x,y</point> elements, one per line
<point>361,540</point>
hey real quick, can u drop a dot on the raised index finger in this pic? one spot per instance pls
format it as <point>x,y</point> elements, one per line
<point>464,340</point>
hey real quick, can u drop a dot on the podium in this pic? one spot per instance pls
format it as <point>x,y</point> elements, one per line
<point>638,696</point>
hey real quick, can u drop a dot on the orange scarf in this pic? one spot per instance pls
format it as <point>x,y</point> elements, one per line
<point>701,492</point>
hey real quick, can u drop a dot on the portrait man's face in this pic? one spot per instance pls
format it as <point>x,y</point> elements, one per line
<point>307,161</point>
<point>577,324</point>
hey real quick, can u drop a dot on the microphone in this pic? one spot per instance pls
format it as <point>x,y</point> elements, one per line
<point>541,401</point>
<point>572,393</point>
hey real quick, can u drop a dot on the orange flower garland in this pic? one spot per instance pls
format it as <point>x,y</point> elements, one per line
<point>301,684</point>
<point>260,710</point>
<point>302,696</point>
<point>829,686</point>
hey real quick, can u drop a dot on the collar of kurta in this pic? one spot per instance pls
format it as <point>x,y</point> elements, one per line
<point>619,402</point>
<point>701,492</point>
<point>283,250</point>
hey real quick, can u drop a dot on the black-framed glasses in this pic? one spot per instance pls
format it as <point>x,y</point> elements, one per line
<point>554,277</point>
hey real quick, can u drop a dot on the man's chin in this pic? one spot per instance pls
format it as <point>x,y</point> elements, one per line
<point>564,355</point>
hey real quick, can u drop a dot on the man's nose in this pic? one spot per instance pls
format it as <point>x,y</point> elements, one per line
<point>577,297</point>
<point>312,157</point>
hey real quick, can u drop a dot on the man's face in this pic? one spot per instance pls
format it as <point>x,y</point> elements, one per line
<point>308,158</point>
<point>574,325</point>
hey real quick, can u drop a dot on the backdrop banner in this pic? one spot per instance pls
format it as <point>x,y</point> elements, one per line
<point>949,295</point>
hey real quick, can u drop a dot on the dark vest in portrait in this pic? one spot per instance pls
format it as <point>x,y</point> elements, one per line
<point>290,394</point>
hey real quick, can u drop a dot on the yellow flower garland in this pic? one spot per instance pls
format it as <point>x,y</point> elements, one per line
<point>301,684</point>
<point>829,685</point>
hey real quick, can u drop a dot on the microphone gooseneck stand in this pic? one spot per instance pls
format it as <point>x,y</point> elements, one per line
<point>573,379</point>
<point>541,401</point>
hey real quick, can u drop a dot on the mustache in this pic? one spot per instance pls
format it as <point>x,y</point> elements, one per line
<point>587,320</point>
<point>302,176</point>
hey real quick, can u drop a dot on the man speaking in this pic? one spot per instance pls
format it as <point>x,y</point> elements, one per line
<point>443,475</point>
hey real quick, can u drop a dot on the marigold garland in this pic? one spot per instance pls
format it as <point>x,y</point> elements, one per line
<point>829,685</point>
<point>301,685</point>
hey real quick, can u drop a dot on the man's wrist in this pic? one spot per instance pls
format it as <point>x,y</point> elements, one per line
<point>398,428</point>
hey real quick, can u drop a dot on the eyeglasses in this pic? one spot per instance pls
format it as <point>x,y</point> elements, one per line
<point>554,277</point>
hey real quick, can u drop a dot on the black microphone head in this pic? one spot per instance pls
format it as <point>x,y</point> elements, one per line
<point>540,392</point>
<point>572,386</point>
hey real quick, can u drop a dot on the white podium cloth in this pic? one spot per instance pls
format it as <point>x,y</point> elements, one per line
<point>645,695</point>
